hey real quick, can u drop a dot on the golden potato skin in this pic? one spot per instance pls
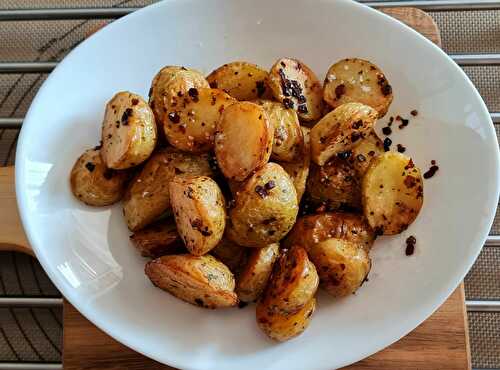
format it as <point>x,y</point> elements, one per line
<point>244,140</point>
<point>168,84</point>
<point>362,153</point>
<point>340,130</point>
<point>158,239</point>
<point>281,327</point>
<point>230,254</point>
<point>335,184</point>
<point>299,170</point>
<point>147,196</point>
<point>342,265</point>
<point>357,80</point>
<point>265,208</point>
<point>241,80</point>
<point>296,86</point>
<point>200,280</point>
<point>190,125</point>
<point>199,210</point>
<point>312,229</point>
<point>392,193</point>
<point>128,131</point>
<point>254,276</point>
<point>293,282</point>
<point>93,183</point>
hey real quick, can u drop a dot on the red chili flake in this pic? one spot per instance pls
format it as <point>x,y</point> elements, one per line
<point>431,172</point>
<point>174,117</point>
<point>410,164</point>
<point>371,153</point>
<point>193,93</point>
<point>410,245</point>
<point>135,101</point>
<point>410,181</point>
<point>339,91</point>
<point>404,123</point>
<point>433,162</point>
<point>414,113</point>
<point>126,115</point>
<point>90,166</point>
<point>401,148</point>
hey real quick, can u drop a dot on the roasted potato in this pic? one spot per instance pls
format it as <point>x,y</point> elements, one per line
<point>200,280</point>
<point>241,80</point>
<point>342,265</point>
<point>244,140</point>
<point>254,276</point>
<point>297,87</point>
<point>147,196</point>
<point>265,208</point>
<point>335,184</point>
<point>93,183</point>
<point>299,170</point>
<point>230,254</point>
<point>293,282</point>
<point>200,212</point>
<point>312,229</point>
<point>128,131</point>
<point>340,130</point>
<point>288,144</point>
<point>392,193</point>
<point>190,125</point>
<point>158,239</point>
<point>362,153</point>
<point>168,87</point>
<point>281,327</point>
<point>357,80</point>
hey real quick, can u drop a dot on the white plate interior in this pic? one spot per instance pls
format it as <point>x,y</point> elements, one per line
<point>87,253</point>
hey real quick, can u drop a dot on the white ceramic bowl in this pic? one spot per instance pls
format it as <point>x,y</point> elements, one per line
<point>86,251</point>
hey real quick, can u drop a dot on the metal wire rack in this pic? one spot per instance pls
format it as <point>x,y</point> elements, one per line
<point>26,294</point>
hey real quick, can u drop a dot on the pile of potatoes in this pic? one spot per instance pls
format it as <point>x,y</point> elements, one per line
<point>212,171</point>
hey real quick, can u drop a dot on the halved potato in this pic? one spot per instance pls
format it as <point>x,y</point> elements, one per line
<point>340,130</point>
<point>128,131</point>
<point>190,125</point>
<point>357,80</point>
<point>392,193</point>
<point>168,87</point>
<point>297,87</point>
<point>158,239</point>
<point>293,282</point>
<point>253,278</point>
<point>199,210</point>
<point>299,170</point>
<point>335,184</point>
<point>200,280</point>
<point>265,208</point>
<point>362,153</point>
<point>230,254</point>
<point>241,80</point>
<point>93,183</point>
<point>342,265</point>
<point>147,197</point>
<point>312,229</point>
<point>282,327</point>
<point>244,140</point>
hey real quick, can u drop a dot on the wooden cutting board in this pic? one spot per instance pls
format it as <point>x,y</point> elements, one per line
<point>441,342</point>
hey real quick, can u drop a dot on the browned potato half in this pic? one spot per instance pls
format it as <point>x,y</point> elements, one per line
<point>199,210</point>
<point>340,130</point>
<point>158,239</point>
<point>253,278</point>
<point>147,197</point>
<point>392,193</point>
<point>342,265</point>
<point>265,208</point>
<point>244,140</point>
<point>293,282</point>
<point>357,80</point>
<point>230,254</point>
<point>93,183</point>
<point>128,131</point>
<point>297,87</point>
<point>241,80</point>
<point>288,138</point>
<point>298,171</point>
<point>312,229</point>
<point>362,153</point>
<point>335,184</point>
<point>168,87</point>
<point>200,280</point>
<point>282,327</point>
<point>190,125</point>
